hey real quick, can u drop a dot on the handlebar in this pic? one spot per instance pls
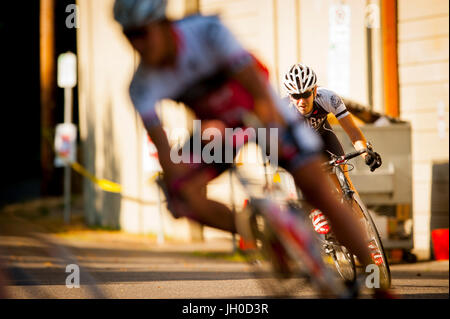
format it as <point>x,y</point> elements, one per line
<point>339,160</point>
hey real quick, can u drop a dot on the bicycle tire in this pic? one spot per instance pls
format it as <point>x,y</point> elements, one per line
<point>385,271</point>
<point>271,265</point>
<point>344,262</point>
<point>371,229</point>
<point>347,273</point>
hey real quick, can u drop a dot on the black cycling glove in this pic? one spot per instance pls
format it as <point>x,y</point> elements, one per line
<point>373,161</point>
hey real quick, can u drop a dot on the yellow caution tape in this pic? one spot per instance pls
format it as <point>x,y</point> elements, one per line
<point>154,177</point>
<point>102,183</point>
<point>276,178</point>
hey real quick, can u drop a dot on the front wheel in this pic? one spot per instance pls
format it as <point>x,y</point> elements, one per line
<point>286,247</point>
<point>277,273</point>
<point>344,262</point>
<point>375,245</point>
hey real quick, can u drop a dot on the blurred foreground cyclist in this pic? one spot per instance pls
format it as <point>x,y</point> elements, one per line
<point>197,61</point>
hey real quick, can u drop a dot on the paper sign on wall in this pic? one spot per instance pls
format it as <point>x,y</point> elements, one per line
<point>65,144</point>
<point>339,49</point>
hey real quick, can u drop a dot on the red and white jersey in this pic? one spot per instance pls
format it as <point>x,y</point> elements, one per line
<point>208,57</point>
<point>206,54</point>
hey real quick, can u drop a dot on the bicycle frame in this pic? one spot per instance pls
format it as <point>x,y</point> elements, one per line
<point>345,185</point>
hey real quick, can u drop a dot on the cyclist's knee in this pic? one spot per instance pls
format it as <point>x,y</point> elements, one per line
<point>184,207</point>
<point>187,202</point>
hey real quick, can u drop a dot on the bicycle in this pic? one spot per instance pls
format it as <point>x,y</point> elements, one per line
<point>345,261</point>
<point>285,247</point>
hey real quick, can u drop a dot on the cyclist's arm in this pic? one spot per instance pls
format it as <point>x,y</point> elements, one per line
<point>159,138</point>
<point>143,93</point>
<point>251,78</point>
<point>354,133</point>
<point>227,50</point>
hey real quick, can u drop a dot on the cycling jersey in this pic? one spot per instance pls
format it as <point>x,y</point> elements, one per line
<point>207,57</point>
<point>326,102</point>
<point>207,54</point>
<point>202,77</point>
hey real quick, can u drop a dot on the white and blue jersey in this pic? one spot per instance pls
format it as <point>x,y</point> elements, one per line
<point>325,102</point>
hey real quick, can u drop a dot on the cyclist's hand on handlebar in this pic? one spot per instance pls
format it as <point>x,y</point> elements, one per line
<point>373,160</point>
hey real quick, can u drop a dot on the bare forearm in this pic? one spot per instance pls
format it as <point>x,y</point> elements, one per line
<point>359,144</point>
<point>317,189</point>
<point>354,133</point>
<point>161,142</point>
<point>357,138</point>
<point>256,85</point>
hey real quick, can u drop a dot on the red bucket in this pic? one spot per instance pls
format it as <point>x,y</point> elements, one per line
<point>440,243</point>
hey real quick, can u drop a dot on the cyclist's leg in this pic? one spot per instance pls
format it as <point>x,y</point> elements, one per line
<point>332,145</point>
<point>317,189</point>
<point>202,209</point>
<point>188,196</point>
<point>305,167</point>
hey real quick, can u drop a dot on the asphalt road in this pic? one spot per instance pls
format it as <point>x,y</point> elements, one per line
<point>117,266</point>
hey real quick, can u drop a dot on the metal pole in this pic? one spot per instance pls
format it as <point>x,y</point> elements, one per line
<point>160,238</point>
<point>67,169</point>
<point>67,181</point>
<point>67,105</point>
<point>233,206</point>
<point>369,66</point>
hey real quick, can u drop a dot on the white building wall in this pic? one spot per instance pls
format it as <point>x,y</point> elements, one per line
<point>280,33</point>
<point>423,38</point>
<point>111,131</point>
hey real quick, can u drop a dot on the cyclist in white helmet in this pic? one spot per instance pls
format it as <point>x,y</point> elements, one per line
<point>314,104</point>
<point>197,61</point>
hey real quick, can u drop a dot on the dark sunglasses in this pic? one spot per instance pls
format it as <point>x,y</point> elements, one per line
<point>135,33</point>
<point>304,95</point>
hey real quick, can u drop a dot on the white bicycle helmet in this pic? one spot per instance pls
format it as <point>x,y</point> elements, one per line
<point>299,79</point>
<point>137,13</point>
